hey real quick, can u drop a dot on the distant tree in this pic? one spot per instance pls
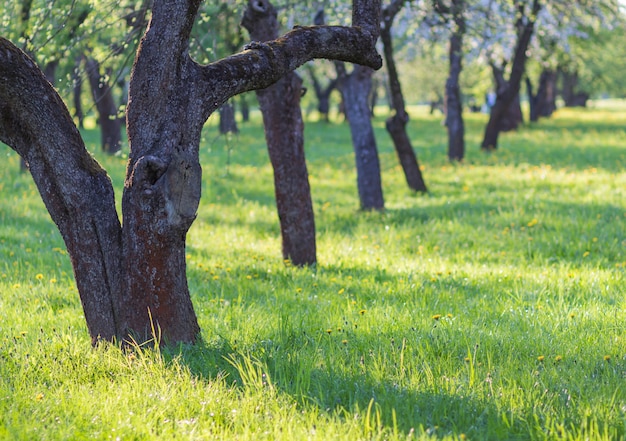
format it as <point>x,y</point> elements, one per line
<point>396,124</point>
<point>131,276</point>
<point>284,133</point>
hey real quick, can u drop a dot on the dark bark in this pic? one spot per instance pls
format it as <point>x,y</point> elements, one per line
<point>396,124</point>
<point>244,107</point>
<point>454,107</point>
<point>509,92</point>
<point>322,93</point>
<point>543,103</point>
<point>354,89</point>
<point>77,192</point>
<point>131,278</point>
<point>108,119</point>
<point>228,124</point>
<point>572,96</point>
<point>284,133</point>
<point>77,89</point>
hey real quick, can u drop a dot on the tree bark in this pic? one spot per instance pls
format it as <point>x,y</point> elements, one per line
<point>131,278</point>
<point>507,94</point>
<point>543,103</point>
<point>77,192</point>
<point>396,124</point>
<point>228,123</point>
<point>454,107</point>
<point>572,97</point>
<point>284,133</point>
<point>108,119</point>
<point>355,89</point>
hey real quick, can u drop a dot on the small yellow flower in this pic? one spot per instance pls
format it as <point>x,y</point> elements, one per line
<point>249,277</point>
<point>16,286</point>
<point>436,316</point>
<point>216,277</point>
<point>298,290</point>
<point>362,311</point>
<point>39,397</point>
<point>558,358</point>
<point>540,358</point>
<point>586,253</point>
<point>449,316</point>
<point>341,291</point>
<point>53,280</point>
<point>329,331</point>
<point>345,342</point>
<point>607,358</point>
<point>39,276</point>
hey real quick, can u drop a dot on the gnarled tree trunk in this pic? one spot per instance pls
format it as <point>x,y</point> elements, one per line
<point>396,124</point>
<point>284,133</point>
<point>131,277</point>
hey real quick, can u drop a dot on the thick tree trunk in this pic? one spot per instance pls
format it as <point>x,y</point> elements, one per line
<point>509,91</point>
<point>131,278</point>
<point>284,133</point>
<point>396,124</point>
<point>543,103</point>
<point>77,192</point>
<point>355,89</point>
<point>454,107</point>
<point>110,123</point>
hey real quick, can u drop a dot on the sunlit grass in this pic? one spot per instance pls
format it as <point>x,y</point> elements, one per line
<point>491,308</point>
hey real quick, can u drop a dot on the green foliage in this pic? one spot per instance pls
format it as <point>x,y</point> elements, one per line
<point>492,308</point>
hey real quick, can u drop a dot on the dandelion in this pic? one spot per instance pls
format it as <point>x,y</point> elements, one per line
<point>216,277</point>
<point>449,316</point>
<point>586,253</point>
<point>53,280</point>
<point>345,342</point>
<point>607,358</point>
<point>572,315</point>
<point>16,286</point>
<point>540,358</point>
<point>298,290</point>
<point>39,276</point>
<point>341,291</point>
<point>329,331</point>
<point>436,316</point>
<point>39,397</point>
<point>249,277</point>
<point>362,311</point>
<point>558,358</point>
<point>532,223</point>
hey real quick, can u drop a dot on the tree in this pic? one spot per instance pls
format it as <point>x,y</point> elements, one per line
<point>508,89</point>
<point>396,124</point>
<point>131,275</point>
<point>284,133</point>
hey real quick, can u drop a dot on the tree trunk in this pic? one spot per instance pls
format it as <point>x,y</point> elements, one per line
<point>322,93</point>
<point>77,89</point>
<point>572,97</point>
<point>396,124</point>
<point>543,103</point>
<point>284,133</point>
<point>228,124</point>
<point>131,278</point>
<point>244,107</point>
<point>509,92</point>
<point>355,89</point>
<point>110,122</point>
<point>454,107</point>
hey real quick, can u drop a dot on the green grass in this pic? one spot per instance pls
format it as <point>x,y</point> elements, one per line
<point>491,308</point>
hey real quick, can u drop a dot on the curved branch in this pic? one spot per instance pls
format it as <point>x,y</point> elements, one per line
<point>262,64</point>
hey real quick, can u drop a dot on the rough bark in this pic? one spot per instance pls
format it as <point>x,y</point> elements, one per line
<point>507,94</point>
<point>77,192</point>
<point>131,278</point>
<point>354,89</point>
<point>396,124</point>
<point>108,119</point>
<point>284,133</point>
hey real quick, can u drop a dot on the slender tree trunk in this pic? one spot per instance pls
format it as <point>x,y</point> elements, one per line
<point>322,93</point>
<point>355,89</point>
<point>228,124</point>
<point>396,124</point>
<point>284,132</point>
<point>507,94</point>
<point>77,89</point>
<point>572,97</point>
<point>543,103</point>
<point>454,107</point>
<point>110,122</point>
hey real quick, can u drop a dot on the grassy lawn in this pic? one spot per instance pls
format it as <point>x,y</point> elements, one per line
<point>492,308</point>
